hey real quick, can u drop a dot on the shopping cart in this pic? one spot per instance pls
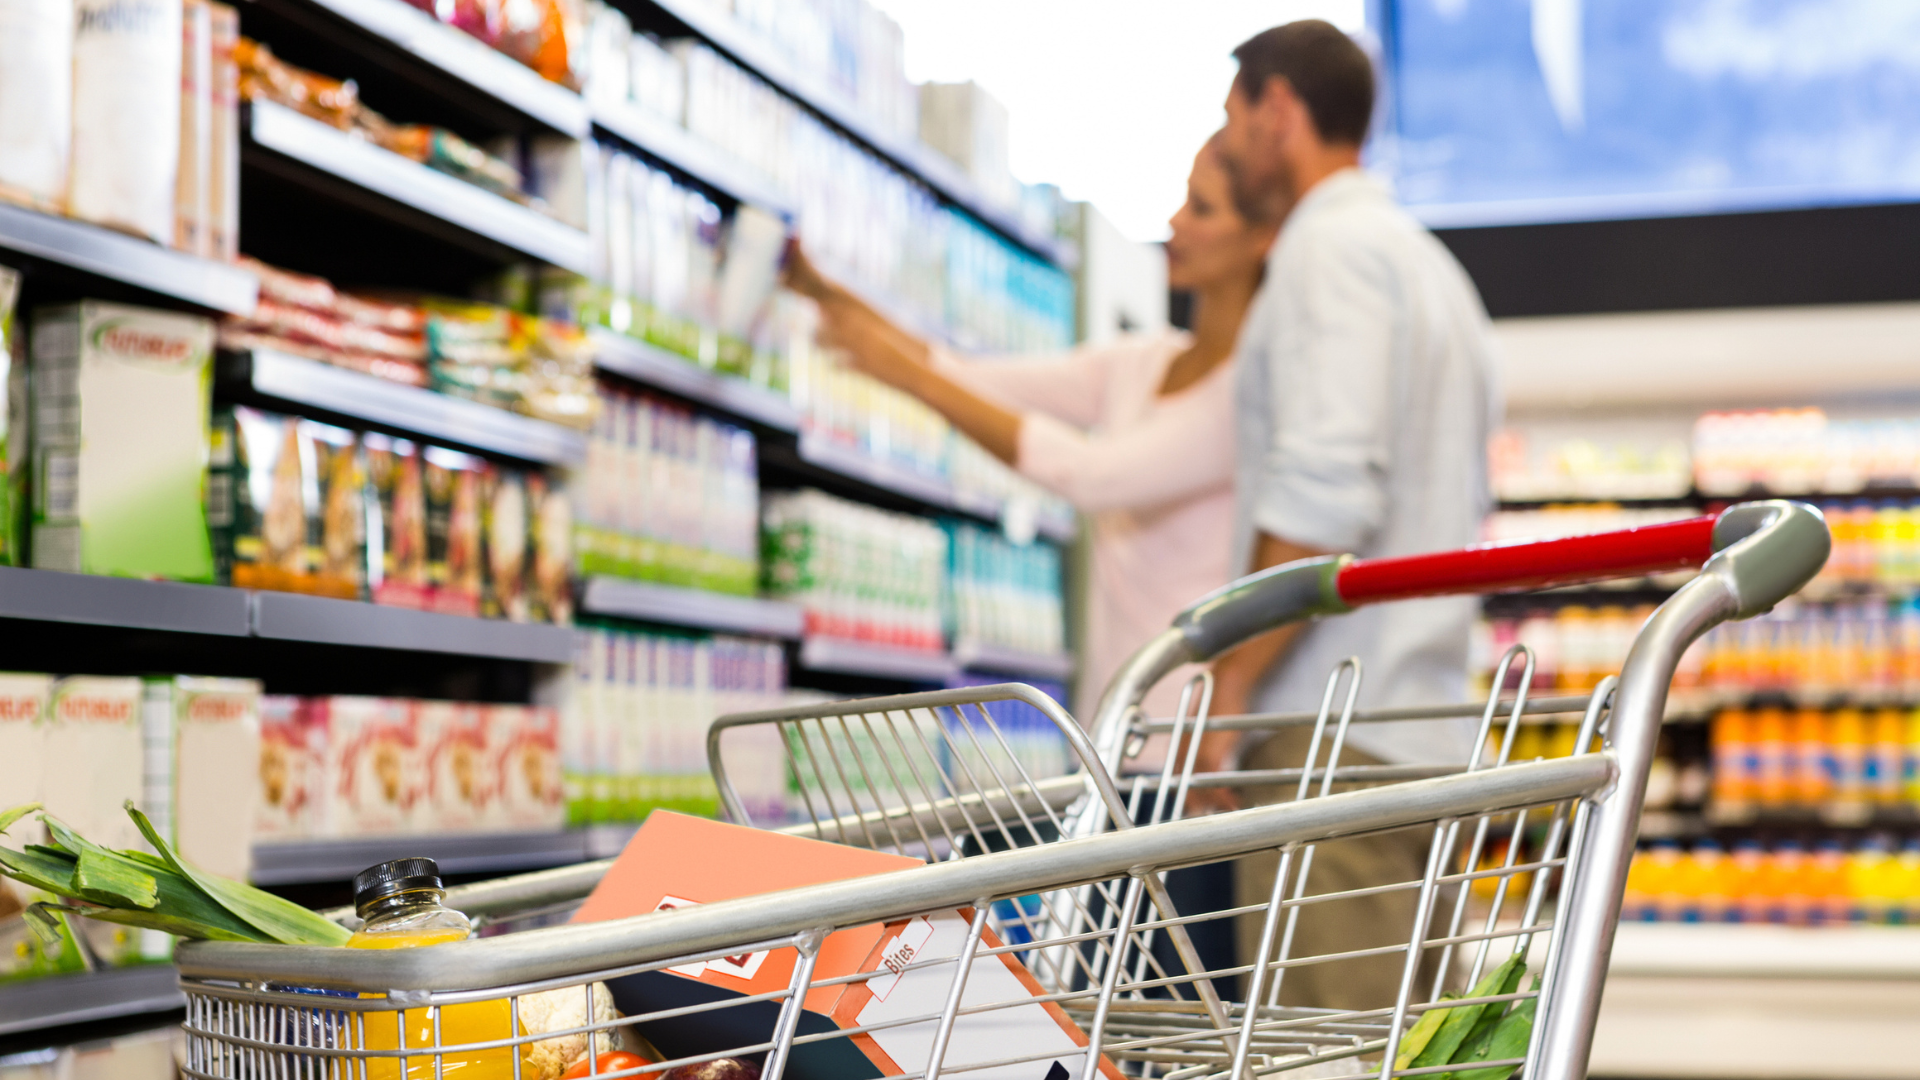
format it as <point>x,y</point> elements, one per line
<point>1047,898</point>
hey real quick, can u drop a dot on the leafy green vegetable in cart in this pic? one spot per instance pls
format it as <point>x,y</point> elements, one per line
<point>1461,1019</point>
<point>157,892</point>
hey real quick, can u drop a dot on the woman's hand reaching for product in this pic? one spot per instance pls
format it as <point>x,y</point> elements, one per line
<point>798,273</point>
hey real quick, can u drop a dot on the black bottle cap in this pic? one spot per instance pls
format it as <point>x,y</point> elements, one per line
<point>376,883</point>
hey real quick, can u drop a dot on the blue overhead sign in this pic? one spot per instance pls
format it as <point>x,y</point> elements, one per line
<point>1507,111</point>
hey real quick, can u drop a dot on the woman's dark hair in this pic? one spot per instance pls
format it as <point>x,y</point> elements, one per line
<point>1325,67</point>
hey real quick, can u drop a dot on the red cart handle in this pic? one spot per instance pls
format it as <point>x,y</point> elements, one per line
<point>1785,544</point>
<point>1522,565</point>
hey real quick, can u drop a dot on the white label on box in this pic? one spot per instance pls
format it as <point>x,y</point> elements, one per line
<point>899,952</point>
<point>1025,1030</point>
<point>739,966</point>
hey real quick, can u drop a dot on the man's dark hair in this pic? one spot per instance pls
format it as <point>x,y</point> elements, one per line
<point>1329,72</point>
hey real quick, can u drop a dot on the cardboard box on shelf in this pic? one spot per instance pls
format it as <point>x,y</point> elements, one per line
<point>215,752</point>
<point>120,407</point>
<point>290,771</point>
<point>23,744</point>
<point>371,772</point>
<point>550,592</point>
<point>460,789</point>
<point>523,752</point>
<point>678,861</point>
<point>296,488</point>
<point>95,757</point>
<point>453,530</point>
<point>507,533</point>
<point>396,522</point>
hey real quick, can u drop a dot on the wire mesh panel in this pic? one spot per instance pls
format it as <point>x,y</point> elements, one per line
<point>1007,958</point>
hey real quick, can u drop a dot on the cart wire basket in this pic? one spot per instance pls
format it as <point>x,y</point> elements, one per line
<point>1030,932</point>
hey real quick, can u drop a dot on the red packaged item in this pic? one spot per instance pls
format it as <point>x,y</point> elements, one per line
<point>287,287</point>
<point>368,339</point>
<point>380,314</point>
<point>397,566</point>
<point>453,530</point>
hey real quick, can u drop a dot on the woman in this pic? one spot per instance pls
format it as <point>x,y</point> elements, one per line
<point>1136,432</point>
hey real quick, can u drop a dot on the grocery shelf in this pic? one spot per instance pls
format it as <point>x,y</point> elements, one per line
<point>377,179</point>
<point>83,997</point>
<point>128,260</point>
<point>656,367</point>
<point>680,149</point>
<point>302,862</point>
<point>409,408</point>
<point>846,657</point>
<point>51,596</point>
<point>983,656</point>
<point>675,606</point>
<point>319,619</point>
<point>723,33</point>
<point>457,58</point>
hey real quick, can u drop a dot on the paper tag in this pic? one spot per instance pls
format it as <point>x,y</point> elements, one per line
<point>737,966</point>
<point>898,953</point>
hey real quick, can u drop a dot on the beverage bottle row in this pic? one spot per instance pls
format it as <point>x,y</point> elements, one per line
<point>1865,649</point>
<point>1874,543</point>
<point>634,729</point>
<point>1830,884</point>
<point>860,573</point>
<point>1801,451</point>
<point>1005,593</point>
<point>1846,757</point>
<point>669,495</point>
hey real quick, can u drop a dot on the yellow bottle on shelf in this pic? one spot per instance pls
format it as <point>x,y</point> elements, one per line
<point>400,904</point>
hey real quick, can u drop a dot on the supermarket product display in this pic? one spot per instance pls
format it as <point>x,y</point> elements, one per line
<point>1832,883</point>
<point>860,573</point>
<point>670,496</point>
<point>125,121</point>
<point>636,723</point>
<point>1004,593</point>
<point>294,505</point>
<point>334,767</point>
<point>306,316</point>
<point>861,217</point>
<point>535,32</point>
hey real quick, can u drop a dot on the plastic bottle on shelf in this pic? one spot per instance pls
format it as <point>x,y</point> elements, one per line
<point>1731,739</point>
<point>1867,880</point>
<point>1903,885</point>
<point>1664,881</point>
<point>1885,752</point>
<point>1910,759</point>
<point>1785,885</point>
<point>1828,902</point>
<point>1847,758</point>
<point>1705,883</point>
<point>1772,764</point>
<point>1746,872</point>
<point>1812,759</point>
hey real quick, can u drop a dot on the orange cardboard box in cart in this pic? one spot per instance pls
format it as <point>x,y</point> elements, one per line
<point>678,861</point>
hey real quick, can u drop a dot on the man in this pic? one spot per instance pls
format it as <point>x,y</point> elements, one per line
<point>1366,397</point>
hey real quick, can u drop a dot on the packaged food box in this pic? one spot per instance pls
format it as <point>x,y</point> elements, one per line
<point>23,745</point>
<point>550,594</point>
<point>120,444</point>
<point>506,534</point>
<point>13,415</point>
<point>523,750</point>
<point>203,740</point>
<point>397,522</point>
<point>371,767</point>
<point>460,782</point>
<point>291,770</point>
<point>676,861</point>
<point>453,530</point>
<point>95,757</point>
<point>298,517</point>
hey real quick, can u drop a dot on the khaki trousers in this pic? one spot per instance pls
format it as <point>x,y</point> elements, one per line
<point>1340,925</point>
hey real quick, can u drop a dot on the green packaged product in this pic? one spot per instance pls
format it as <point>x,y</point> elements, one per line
<point>13,441</point>
<point>120,441</point>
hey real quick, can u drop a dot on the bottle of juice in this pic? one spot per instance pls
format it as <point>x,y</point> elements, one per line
<point>1848,756</point>
<point>1732,746</point>
<point>1812,758</point>
<point>1771,771</point>
<point>400,904</point>
<point>1886,756</point>
<point>1747,882</point>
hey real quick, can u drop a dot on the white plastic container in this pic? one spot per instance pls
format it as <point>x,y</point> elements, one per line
<point>36,100</point>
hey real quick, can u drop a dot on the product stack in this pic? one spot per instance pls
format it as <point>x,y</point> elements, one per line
<point>635,734</point>
<point>85,745</point>
<point>1005,594</point>
<point>861,574</point>
<point>1871,881</point>
<point>336,767</point>
<point>669,495</point>
<point>860,217</point>
<point>125,119</point>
